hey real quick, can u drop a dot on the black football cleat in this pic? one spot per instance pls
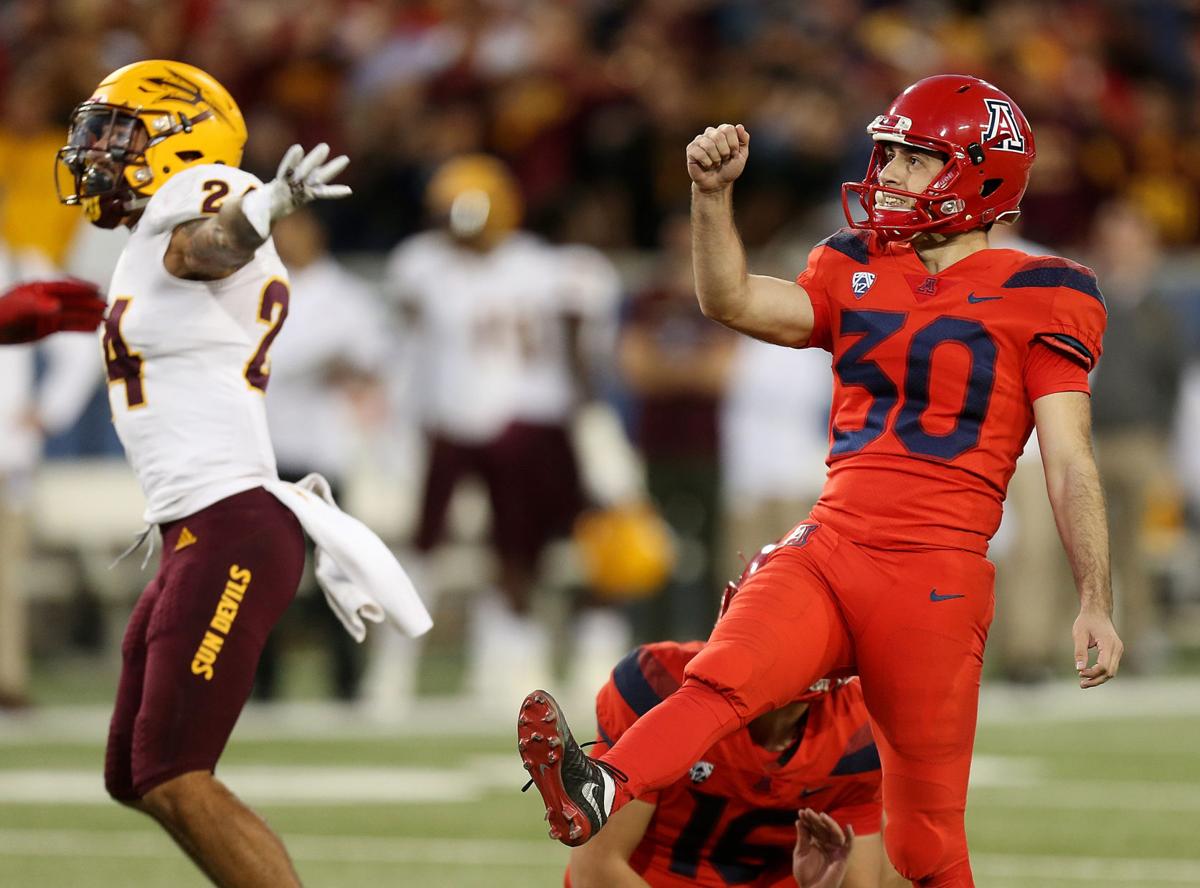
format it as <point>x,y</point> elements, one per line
<point>578,790</point>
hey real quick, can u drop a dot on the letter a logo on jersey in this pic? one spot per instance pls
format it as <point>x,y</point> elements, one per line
<point>1002,127</point>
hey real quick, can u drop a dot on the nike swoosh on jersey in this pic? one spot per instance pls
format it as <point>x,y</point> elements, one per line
<point>933,596</point>
<point>975,300</point>
<point>805,793</point>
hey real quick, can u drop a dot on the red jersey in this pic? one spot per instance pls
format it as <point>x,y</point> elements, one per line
<point>934,379</point>
<point>730,820</point>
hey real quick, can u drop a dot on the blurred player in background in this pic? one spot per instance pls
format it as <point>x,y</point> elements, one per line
<point>677,364</point>
<point>197,299</point>
<point>30,312</point>
<point>946,355</point>
<point>733,818</point>
<point>501,322</point>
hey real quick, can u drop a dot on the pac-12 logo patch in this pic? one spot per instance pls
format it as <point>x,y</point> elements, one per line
<point>1002,125</point>
<point>861,282</point>
<point>700,771</point>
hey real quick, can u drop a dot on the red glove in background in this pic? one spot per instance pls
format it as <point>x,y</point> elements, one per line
<point>31,311</point>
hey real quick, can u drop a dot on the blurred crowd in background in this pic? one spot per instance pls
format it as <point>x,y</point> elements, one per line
<point>583,110</point>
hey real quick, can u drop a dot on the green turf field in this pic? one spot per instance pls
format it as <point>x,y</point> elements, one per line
<point>1059,800</point>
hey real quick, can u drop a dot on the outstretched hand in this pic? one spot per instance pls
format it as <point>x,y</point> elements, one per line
<point>717,156</point>
<point>300,179</point>
<point>32,311</point>
<point>822,850</point>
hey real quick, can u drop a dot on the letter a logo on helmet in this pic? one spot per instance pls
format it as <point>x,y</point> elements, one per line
<point>1002,129</point>
<point>984,141</point>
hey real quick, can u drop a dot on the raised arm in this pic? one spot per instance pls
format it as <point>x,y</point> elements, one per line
<point>214,248</point>
<point>764,307</point>
<point>1064,427</point>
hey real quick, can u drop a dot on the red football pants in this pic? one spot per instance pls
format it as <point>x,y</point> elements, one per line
<point>911,624</point>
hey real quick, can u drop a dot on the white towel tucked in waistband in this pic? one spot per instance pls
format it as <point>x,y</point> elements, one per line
<point>359,575</point>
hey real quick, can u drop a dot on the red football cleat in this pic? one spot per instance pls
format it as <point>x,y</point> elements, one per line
<point>579,791</point>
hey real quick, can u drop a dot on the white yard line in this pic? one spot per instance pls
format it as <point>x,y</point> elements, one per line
<point>1097,795</point>
<point>1123,699</point>
<point>1099,872</point>
<point>320,848</point>
<point>995,781</point>
<point>1035,869</point>
<point>293,785</point>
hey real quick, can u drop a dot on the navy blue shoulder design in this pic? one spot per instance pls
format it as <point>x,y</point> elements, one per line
<point>858,762</point>
<point>850,243</point>
<point>632,683</point>
<point>1057,273</point>
<point>1072,347</point>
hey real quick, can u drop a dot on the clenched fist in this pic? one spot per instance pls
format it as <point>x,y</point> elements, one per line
<point>717,156</point>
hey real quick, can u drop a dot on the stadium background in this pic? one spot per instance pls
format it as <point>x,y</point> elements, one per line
<point>591,103</point>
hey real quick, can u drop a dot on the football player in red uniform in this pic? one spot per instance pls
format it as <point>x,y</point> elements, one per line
<point>732,818</point>
<point>31,311</point>
<point>946,354</point>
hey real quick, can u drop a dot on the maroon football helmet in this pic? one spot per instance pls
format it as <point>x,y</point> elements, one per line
<point>988,146</point>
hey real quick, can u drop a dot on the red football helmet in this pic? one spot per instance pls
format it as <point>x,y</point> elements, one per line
<point>988,145</point>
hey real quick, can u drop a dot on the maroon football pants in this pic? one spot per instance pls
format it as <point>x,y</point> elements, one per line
<point>192,645</point>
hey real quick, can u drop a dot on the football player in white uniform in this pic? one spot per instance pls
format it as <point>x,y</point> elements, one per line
<point>503,327</point>
<point>197,298</point>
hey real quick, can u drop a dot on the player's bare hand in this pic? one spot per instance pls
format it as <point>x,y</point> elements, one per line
<point>301,178</point>
<point>822,850</point>
<point>1094,630</point>
<point>717,156</point>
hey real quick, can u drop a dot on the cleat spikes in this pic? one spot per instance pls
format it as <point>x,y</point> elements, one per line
<point>567,779</point>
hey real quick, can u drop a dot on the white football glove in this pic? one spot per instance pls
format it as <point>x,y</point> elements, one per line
<point>301,178</point>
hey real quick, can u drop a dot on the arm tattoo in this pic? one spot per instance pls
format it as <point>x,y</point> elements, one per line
<point>213,248</point>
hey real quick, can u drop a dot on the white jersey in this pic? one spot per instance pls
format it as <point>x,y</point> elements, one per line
<point>472,332</point>
<point>493,345</point>
<point>188,360</point>
<point>335,320</point>
<point>585,291</point>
